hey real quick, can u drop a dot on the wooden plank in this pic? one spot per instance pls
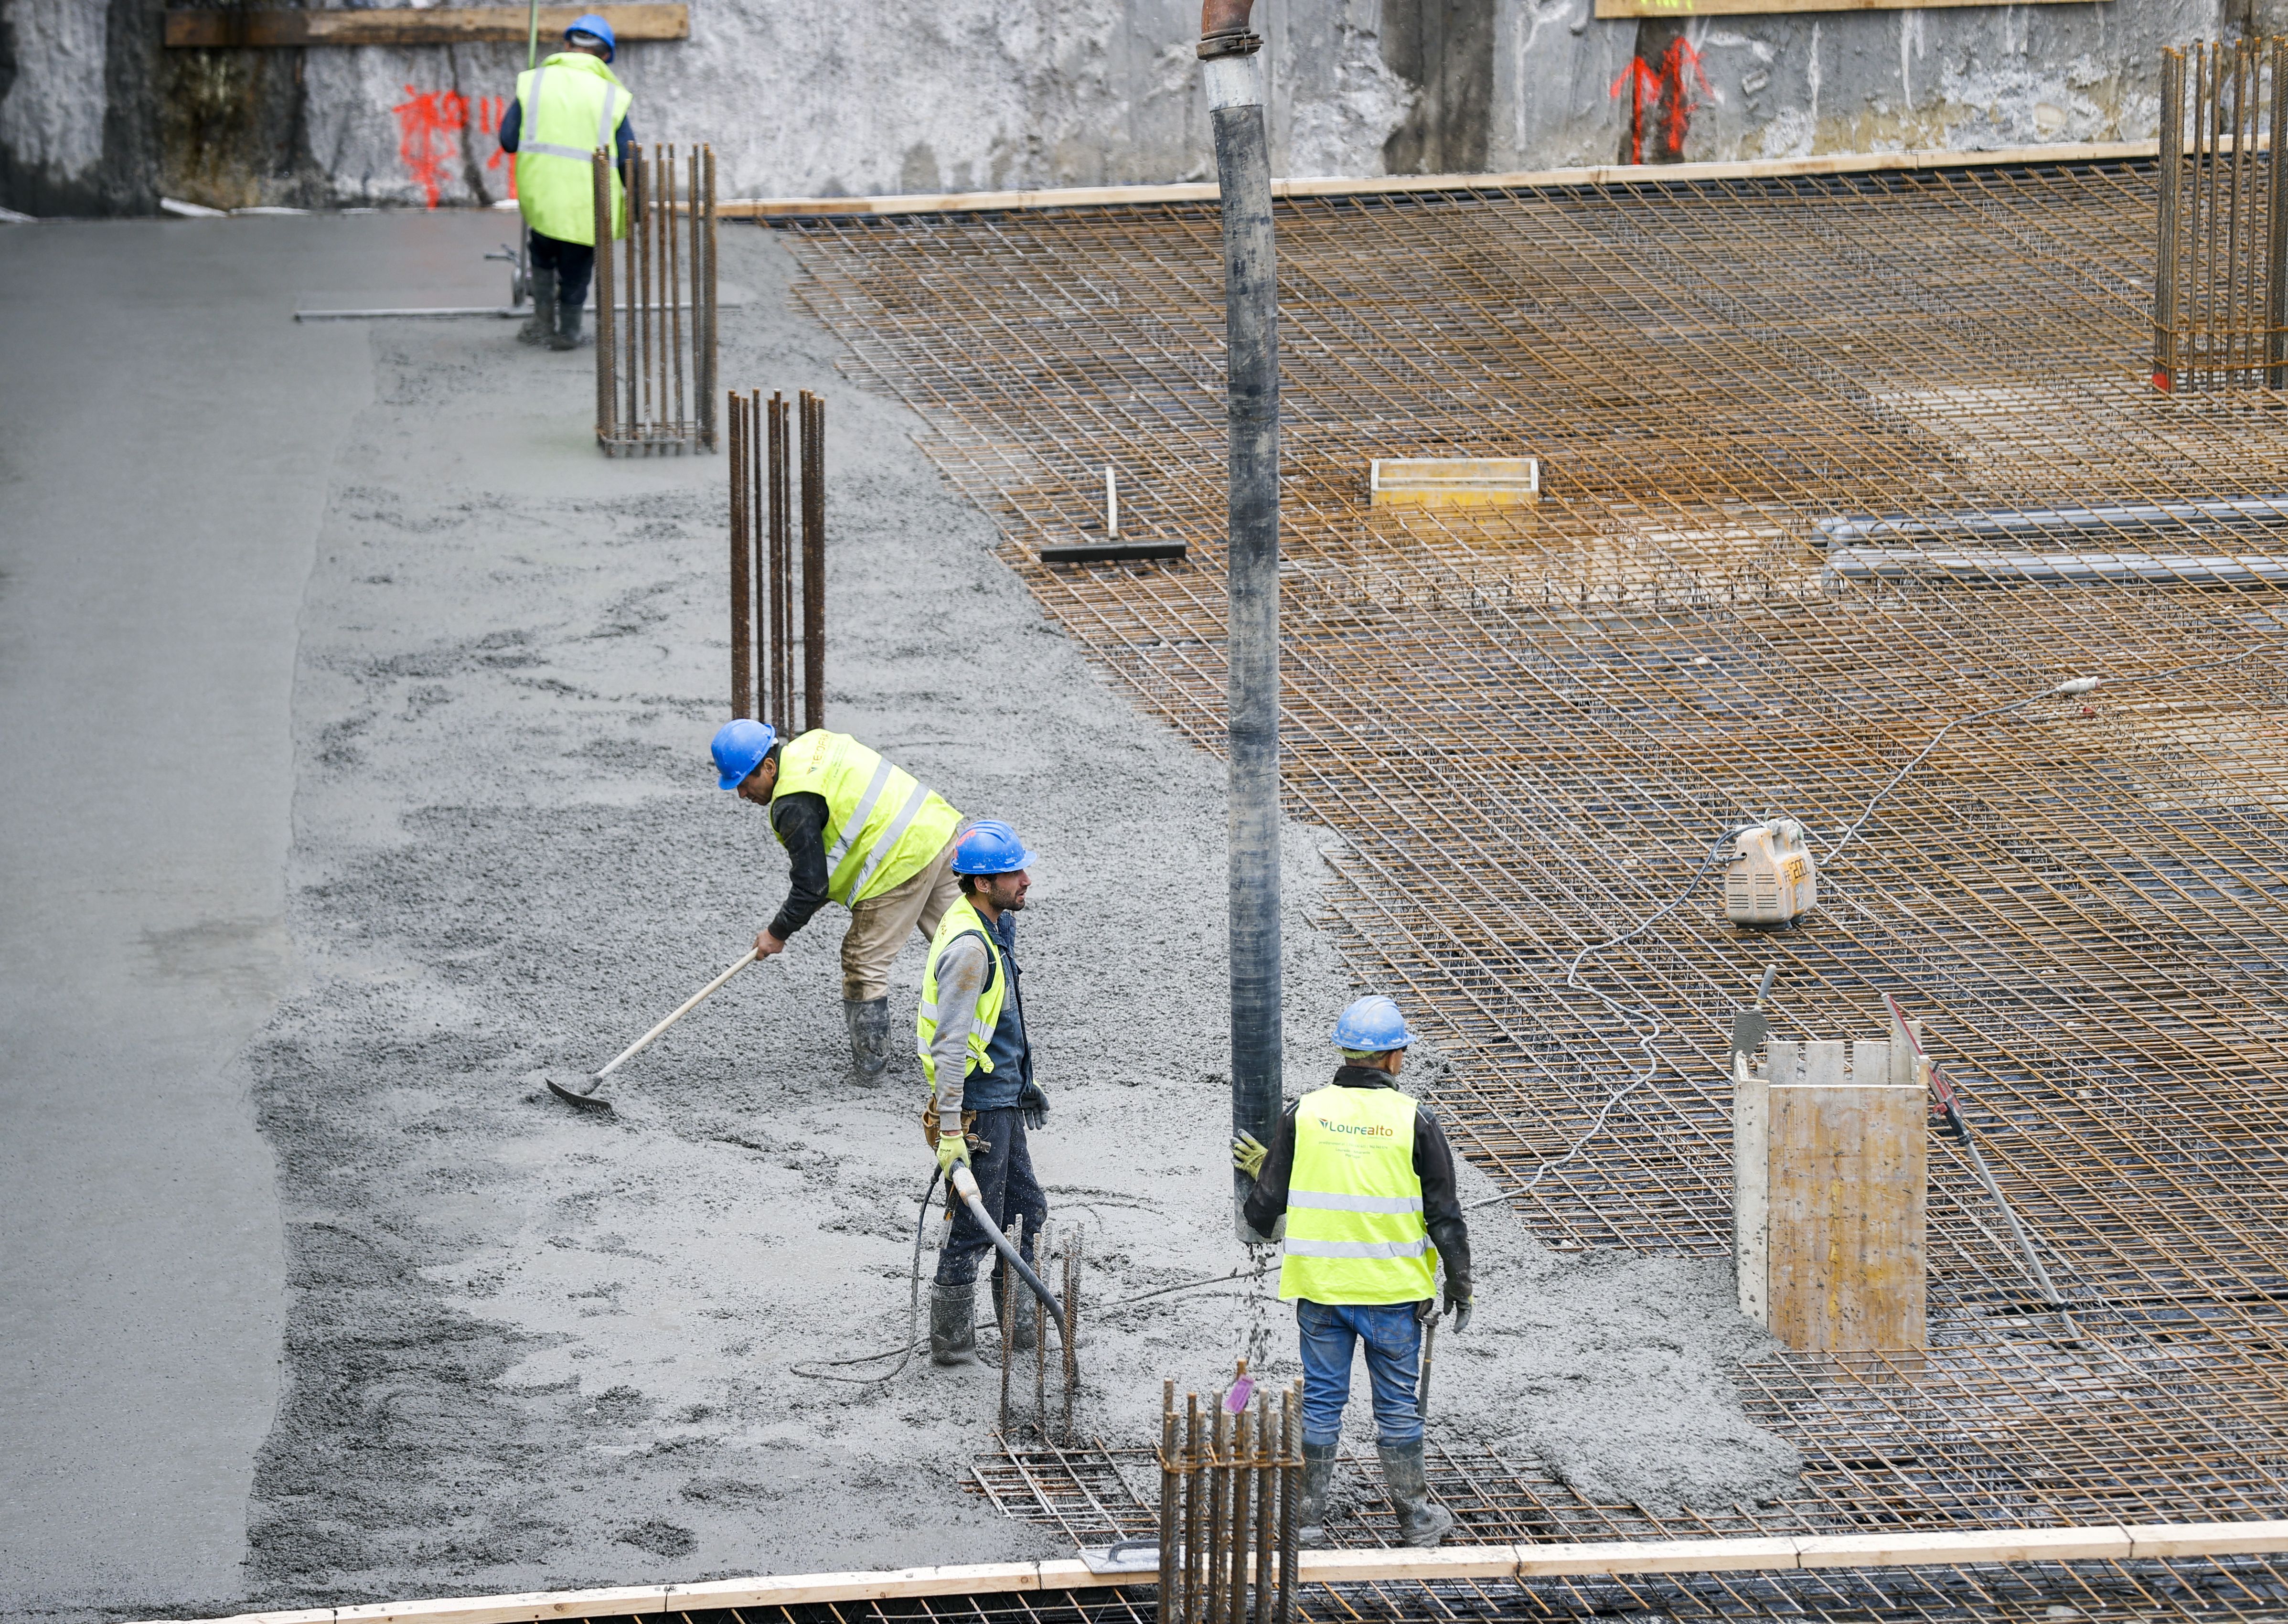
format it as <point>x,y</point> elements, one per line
<point>1335,1567</point>
<point>1848,1176</point>
<point>801,1590</point>
<point>629,1602</point>
<point>1377,186</point>
<point>1751,1191</point>
<point>2102,1544</point>
<point>1760,8</point>
<point>2207,1539</point>
<point>1659,1557</point>
<point>641,19</point>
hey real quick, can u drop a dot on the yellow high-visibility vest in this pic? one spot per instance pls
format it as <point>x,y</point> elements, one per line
<point>961,919</point>
<point>882,827</point>
<point>571,105</point>
<point>1354,1228</point>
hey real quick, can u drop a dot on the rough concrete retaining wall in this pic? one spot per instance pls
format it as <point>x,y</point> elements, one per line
<point>802,98</point>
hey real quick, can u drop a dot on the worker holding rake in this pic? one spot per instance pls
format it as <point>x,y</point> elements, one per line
<point>1365,1179</point>
<point>860,832</point>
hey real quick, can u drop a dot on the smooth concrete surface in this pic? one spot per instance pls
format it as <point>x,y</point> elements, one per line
<point>167,435</point>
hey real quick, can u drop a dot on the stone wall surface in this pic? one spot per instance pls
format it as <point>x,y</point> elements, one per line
<point>801,98</point>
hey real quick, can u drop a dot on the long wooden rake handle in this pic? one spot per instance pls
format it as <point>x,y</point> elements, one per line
<point>681,1010</point>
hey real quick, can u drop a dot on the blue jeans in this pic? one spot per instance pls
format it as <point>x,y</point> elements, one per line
<point>1393,1364</point>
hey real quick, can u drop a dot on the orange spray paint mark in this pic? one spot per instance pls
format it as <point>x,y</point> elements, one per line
<point>490,111</point>
<point>430,126</point>
<point>1664,91</point>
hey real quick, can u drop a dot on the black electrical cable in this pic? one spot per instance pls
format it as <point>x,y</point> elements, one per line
<point>1645,1035</point>
<point>913,1315</point>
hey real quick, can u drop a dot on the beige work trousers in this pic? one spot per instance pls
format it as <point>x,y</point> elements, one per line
<point>879,926</point>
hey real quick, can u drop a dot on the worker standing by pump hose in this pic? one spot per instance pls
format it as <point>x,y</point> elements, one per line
<point>1366,1181</point>
<point>978,1062</point>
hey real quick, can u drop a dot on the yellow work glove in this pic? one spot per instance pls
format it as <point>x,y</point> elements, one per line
<point>1247,1154</point>
<point>952,1147</point>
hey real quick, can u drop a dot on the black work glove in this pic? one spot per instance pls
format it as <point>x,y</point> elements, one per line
<point>1033,1104</point>
<point>1458,1303</point>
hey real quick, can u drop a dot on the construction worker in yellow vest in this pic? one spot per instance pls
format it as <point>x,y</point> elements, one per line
<point>1366,1182</point>
<point>564,110</point>
<point>858,832</point>
<point>978,1062</point>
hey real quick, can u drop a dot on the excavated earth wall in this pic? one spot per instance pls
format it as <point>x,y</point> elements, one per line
<point>531,1349</point>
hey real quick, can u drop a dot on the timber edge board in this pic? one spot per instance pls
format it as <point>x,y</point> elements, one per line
<point>1602,175</point>
<point>396,25</point>
<point>2102,1542</point>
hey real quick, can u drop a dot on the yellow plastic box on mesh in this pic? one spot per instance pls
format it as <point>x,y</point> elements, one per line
<point>1454,482</point>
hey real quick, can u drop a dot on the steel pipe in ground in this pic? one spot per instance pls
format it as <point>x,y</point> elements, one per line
<point>1235,85</point>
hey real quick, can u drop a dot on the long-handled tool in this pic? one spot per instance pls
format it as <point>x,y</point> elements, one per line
<point>1946,1117</point>
<point>964,1185</point>
<point>583,1091</point>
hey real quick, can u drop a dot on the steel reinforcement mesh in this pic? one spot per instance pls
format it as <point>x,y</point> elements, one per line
<point>1530,726</point>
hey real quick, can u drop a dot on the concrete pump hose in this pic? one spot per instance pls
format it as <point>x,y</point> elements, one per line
<point>964,1185</point>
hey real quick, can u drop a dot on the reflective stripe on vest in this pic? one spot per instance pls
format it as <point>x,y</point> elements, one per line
<point>961,919</point>
<point>1354,1228</point>
<point>882,827</point>
<point>557,199</point>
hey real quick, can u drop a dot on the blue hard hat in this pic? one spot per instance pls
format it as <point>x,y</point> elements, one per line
<point>990,847</point>
<point>592,24</point>
<point>740,747</point>
<point>1371,1026</point>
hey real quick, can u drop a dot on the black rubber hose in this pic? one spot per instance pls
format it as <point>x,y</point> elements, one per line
<point>1251,386</point>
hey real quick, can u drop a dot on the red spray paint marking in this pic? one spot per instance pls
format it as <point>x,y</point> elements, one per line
<point>1651,88</point>
<point>490,111</point>
<point>430,124</point>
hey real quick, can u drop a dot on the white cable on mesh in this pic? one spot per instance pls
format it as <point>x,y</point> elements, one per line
<point>2071,689</point>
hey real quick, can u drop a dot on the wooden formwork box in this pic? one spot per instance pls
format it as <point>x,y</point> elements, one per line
<point>1830,1148</point>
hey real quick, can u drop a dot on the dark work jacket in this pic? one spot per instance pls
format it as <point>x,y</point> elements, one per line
<point>1434,1165</point>
<point>799,821</point>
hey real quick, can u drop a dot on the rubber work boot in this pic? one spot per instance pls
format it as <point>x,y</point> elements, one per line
<point>567,336</point>
<point>1318,1483</point>
<point>953,1323</point>
<point>542,323</point>
<point>1422,1522</point>
<point>869,1020</point>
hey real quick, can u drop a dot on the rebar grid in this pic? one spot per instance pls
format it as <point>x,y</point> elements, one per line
<point>1527,726</point>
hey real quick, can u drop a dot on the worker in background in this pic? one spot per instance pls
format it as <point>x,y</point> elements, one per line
<point>1366,1182</point>
<point>564,110</point>
<point>858,832</point>
<point>978,1065</point>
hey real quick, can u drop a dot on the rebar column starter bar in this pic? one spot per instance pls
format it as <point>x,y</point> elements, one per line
<point>2221,274</point>
<point>1226,1513</point>
<point>770,569</point>
<point>655,303</point>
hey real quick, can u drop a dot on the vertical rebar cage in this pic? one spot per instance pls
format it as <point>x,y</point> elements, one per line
<point>655,303</point>
<point>772,569</point>
<point>2221,287</point>
<point>1231,1483</point>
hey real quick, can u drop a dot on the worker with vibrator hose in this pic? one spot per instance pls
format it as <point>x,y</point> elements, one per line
<point>978,1062</point>
<point>859,832</point>
<point>564,110</point>
<point>1364,1177</point>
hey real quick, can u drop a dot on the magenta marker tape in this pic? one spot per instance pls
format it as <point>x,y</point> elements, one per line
<point>1242,1391</point>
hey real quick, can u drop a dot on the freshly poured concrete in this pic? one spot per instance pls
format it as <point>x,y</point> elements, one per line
<point>527,1348</point>
<point>168,442</point>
